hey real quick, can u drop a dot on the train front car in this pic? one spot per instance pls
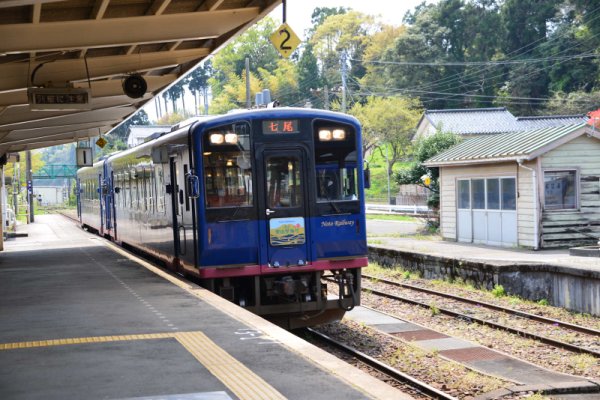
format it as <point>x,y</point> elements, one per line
<point>281,207</point>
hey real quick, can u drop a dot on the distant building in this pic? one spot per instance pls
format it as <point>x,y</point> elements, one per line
<point>467,122</point>
<point>546,121</point>
<point>474,122</point>
<point>139,133</point>
<point>50,195</point>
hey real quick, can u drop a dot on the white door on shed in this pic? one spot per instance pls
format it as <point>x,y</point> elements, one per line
<point>486,211</point>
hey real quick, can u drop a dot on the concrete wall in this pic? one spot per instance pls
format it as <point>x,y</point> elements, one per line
<point>570,288</point>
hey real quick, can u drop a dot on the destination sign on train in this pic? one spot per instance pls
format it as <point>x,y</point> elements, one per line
<point>280,126</point>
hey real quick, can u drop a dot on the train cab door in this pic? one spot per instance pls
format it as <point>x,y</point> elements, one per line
<point>284,207</point>
<point>111,213</point>
<point>101,197</point>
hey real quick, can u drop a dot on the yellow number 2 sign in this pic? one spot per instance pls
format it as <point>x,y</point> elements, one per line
<point>285,40</point>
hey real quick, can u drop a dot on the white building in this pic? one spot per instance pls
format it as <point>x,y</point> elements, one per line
<point>139,133</point>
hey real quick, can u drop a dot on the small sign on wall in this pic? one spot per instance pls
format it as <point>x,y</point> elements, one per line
<point>84,156</point>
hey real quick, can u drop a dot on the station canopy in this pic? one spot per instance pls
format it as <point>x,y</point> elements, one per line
<point>63,64</point>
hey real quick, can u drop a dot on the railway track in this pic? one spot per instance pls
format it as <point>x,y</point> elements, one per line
<point>427,297</point>
<point>415,384</point>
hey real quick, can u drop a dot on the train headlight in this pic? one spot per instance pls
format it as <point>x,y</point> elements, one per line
<point>325,135</point>
<point>217,138</point>
<point>339,134</point>
<point>231,138</point>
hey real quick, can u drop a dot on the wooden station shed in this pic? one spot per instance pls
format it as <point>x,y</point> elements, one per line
<point>532,189</point>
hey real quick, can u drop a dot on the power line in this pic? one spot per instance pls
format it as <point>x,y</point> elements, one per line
<point>479,63</point>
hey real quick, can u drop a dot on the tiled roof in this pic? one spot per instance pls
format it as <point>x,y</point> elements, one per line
<point>529,123</point>
<point>474,121</point>
<point>502,147</point>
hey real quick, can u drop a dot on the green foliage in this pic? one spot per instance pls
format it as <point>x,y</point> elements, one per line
<point>434,309</point>
<point>406,275</point>
<point>389,121</point>
<point>543,302</point>
<point>230,62</point>
<point>122,131</point>
<point>198,84</point>
<point>498,291</point>
<point>113,145</point>
<point>444,38</point>
<point>572,103</point>
<point>425,149</point>
<point>174,118</point>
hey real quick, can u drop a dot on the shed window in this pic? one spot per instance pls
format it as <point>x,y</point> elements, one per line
<point>560,190</point>
<point>478,193</point>
<point>509,194</point>
<point>464,194</point>
<point>493,194</point>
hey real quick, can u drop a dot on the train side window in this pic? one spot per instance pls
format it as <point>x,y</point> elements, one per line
<point>134,190</point>
<point>228,177</point>
<point>160,185</point>
<point>143,193</point>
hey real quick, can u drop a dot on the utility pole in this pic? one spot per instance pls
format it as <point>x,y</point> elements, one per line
<point>16,187</point>
<point>248,100</point>
<point>29,184</point>
<point>344,72</point>
<point>387,162</point>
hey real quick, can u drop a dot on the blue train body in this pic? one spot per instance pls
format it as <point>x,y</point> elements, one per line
<point>258,205</point>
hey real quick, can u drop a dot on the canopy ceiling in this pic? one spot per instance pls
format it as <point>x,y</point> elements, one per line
<point>98,43</point>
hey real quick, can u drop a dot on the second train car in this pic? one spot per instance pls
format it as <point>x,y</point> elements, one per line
<point>258,205</point>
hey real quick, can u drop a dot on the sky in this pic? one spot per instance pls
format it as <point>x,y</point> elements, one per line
<point>389,12</point>
<point>300,11</point>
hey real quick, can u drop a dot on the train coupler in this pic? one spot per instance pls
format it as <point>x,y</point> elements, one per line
<point>345,281</point>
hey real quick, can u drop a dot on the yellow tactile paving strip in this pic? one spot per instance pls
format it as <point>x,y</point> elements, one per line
<point>96,339</point>
<point>236,376</point>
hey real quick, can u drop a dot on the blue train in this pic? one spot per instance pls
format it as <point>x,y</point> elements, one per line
<point>259,206</point>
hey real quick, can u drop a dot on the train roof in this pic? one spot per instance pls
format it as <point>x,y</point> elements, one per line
<point>181,130</point>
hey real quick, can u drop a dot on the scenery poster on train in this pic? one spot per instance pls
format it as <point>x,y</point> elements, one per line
<point>287,231</point>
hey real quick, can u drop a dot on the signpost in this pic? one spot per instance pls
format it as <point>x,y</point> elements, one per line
<point>285,40</point>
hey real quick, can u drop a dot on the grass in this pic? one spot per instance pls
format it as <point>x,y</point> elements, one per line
<point>417,236</point>
<point>498,291</point>
<point>393,217</point>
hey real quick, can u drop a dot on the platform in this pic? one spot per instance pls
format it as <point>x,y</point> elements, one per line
<point>83,319</point>
<point>563,280</point>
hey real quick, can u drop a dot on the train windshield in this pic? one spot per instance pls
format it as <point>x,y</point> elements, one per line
<point>228,167</point>
<point>336,166</point>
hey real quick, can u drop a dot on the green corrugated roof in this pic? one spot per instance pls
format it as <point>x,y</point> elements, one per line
<point>500,147</point>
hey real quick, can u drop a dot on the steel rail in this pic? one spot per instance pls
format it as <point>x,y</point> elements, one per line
<point>507,310</point>
<point>382,367</point>
<point>552,342</point>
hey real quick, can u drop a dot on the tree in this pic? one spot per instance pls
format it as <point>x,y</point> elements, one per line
<point>309,78</point>
<point>525,23</point>
<point>375,73</point>
<point>416,172</point>
<point>198,83</point>
<point>122,131</point>
<point>578,102</point>
<point>388,123</point>
<point>420,60</point>
<point>254,44</point>
<point>174,93</point>
<point>174,118</point>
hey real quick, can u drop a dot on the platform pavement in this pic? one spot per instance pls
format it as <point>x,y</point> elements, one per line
<point>80,319</point>
<point>526,376</point>
<point>488,254</point>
